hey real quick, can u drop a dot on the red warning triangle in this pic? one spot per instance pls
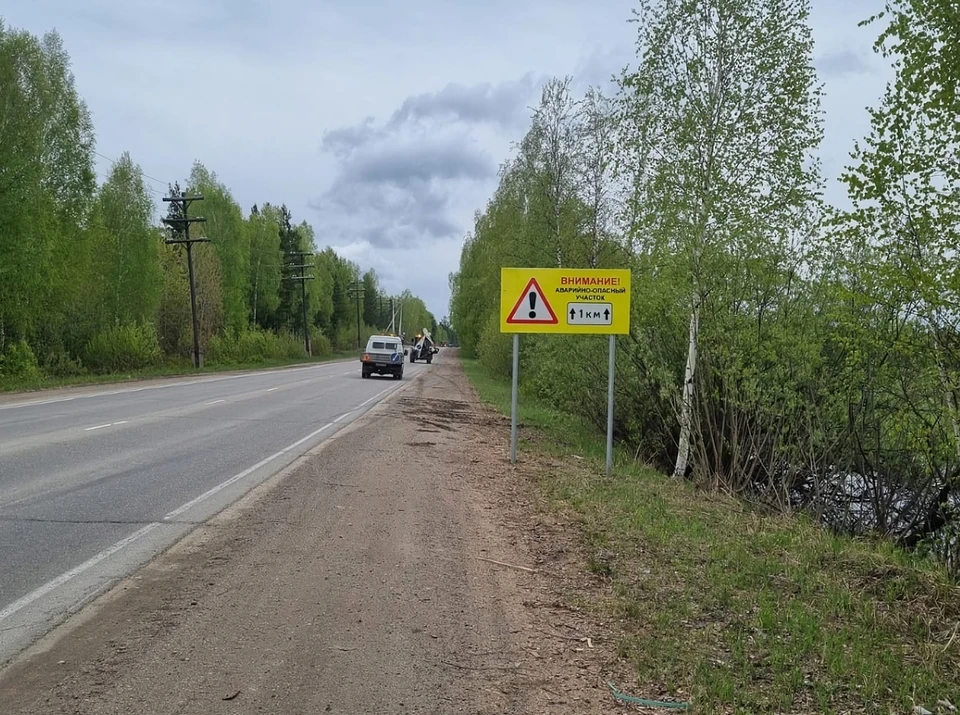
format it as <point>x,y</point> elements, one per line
<point>532,308</point>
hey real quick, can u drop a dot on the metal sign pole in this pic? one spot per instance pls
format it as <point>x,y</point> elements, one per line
<point>513,399</point>
<point>611,368</point>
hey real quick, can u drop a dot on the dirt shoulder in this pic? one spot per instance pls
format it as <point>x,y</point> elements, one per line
<point>356,583</point>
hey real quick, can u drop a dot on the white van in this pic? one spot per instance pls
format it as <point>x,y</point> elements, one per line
<point>383,356</point>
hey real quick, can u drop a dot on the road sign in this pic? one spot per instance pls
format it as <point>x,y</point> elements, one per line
<point>589,313</point>
<point>565,300</point>
<point>532,308</point>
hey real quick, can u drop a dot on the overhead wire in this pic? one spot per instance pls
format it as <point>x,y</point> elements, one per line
<point>142,173</point>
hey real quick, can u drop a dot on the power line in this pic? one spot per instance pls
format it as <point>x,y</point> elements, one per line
<point>164,184</point>
<point>106,177</point>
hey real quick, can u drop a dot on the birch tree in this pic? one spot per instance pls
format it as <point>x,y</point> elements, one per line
<point>225,229</point>
<point>724,110</point>
<point>46,181</point>
<point>897,252</point>
<point>547,167</point>
<point>595,136</point>
<point>126,257</point>
<point>265,264</point>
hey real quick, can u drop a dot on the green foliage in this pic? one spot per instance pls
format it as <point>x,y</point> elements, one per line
<point>19,363</point>
<point>262,231</point>
<point>252,346</point>
<point>46,181</point>
<point>224,227</point>
<point>495,349</point>
<point>124,348</point>
<point>125,276</point>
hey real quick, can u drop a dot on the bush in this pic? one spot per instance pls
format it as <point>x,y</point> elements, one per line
<point>346,338</point>
<point>254,346</point>
<point>320,344</point>
<point>58,363</point>
<point>19,363</point>
<point>495,349</point>
<point>123,348</point>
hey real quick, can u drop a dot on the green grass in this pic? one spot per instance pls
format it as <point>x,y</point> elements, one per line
<point>175,369</point>
<point>738,610</point>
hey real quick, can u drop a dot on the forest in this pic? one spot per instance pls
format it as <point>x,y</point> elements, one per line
<point>800,355</point>
<point>89,284</point>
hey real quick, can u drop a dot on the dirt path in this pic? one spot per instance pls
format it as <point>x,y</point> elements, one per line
<point>353,584</point>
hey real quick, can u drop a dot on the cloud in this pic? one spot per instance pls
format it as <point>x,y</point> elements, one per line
<point>398,184</point>
<point>841,63</point>
<point>341,142</point>
<point>502,104</point>
<point>418,162</point>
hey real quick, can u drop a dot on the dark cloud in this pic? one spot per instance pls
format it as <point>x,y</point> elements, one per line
<point>388,214</point>
<point>841,63</point>
<point>403,164</point>
<point>341,142</point>
<point>504,104</point>
<point>394,181</point>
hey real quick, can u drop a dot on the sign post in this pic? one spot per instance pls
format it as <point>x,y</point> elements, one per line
<point>566,301</point>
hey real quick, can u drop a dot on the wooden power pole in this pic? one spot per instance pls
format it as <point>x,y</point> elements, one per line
<point>302,278</point>
<point>180,225</point>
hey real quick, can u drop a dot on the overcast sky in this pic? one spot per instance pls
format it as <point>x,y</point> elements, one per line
<point>380,122</point>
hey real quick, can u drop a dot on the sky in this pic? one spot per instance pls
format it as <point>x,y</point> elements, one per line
<point>382,123</point>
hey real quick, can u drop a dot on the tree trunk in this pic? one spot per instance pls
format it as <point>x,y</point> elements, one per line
<point>256,288</point>
<point>686,405</point>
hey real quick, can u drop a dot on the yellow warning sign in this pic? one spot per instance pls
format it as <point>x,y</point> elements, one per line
<point>565,300</point>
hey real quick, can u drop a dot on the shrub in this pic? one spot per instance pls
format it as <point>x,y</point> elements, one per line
<point>19,363</point>
<point>254,346</point>
<point>58,363</point>
<point>495,349</point>
<point>320,344</point>
<point>123,348</point>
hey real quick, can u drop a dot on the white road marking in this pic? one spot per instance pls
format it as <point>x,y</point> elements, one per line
<point>367,402</point>
<point>343,416</point>
<point>74,572</point>
<point>215,402</point>
<point>272,389</point>
<point>41,402</point>
<point>109,424</point>
<point>183,383</point>
<point>249,470</point>
<point>63,578</point>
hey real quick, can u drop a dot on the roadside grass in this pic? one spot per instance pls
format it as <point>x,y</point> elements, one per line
<point>170,369</point>
<point>737,609</point>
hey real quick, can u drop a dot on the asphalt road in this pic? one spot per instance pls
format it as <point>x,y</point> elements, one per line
<point>94,482</point>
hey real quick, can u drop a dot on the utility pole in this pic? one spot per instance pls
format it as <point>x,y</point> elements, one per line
<point>180,226</point>
<point>303,278</point>
<point>356,289</point>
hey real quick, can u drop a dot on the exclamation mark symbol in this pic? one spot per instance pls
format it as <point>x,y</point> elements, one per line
<point>533,304</point>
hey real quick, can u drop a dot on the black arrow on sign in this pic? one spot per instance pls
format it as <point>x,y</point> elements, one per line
<point>606,314</point>
<point>573,314</point>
